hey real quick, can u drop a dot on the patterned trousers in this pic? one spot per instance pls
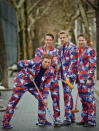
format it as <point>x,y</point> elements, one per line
<point>55,98</point>
<point>18,91</point>
<point>68,103</point>
<point>88,113</point>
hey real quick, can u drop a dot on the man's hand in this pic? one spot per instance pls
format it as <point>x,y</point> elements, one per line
<point>31,77</point>
<point>45,102</point>
<point>59,77</point>
<point>67,79</point>
<point>89,82</point>
<point>54,58</point>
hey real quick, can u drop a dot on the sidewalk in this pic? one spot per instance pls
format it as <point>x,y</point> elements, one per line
<point>25,116</point>
<point>97,90</point>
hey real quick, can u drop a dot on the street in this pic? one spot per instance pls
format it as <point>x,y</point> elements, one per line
<point>25,116</point>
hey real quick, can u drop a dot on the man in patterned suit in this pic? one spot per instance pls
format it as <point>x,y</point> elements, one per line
<point>42,73</point>
<point>86,81</point>
<point>49,49</point>
<point>67,71</point>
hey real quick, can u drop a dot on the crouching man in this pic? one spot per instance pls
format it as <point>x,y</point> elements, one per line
<point>42,72</point>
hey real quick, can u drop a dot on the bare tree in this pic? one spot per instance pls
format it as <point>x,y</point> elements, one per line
<point>64,16</point>
<point>84,18</point>
<point>3,58</point>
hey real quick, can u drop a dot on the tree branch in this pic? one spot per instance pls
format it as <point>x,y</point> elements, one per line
<point>13,2</point>
<point>17,6</point>
<point>20,3</point>
<point>91,4</point>
<point>76,15</point>
<point>34,5</point>
<point>39,16</point>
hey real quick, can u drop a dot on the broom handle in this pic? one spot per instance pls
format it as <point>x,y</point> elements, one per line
<point>37,89</point>
<point>76,101</point>
<point>42,99</point>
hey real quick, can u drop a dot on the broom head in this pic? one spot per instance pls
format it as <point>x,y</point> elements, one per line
<point>75,111</point>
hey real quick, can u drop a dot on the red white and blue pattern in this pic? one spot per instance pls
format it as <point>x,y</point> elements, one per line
<point>68,67</point>
<point>86,70</point>
<point>54,86</point>
<point>29,67</point>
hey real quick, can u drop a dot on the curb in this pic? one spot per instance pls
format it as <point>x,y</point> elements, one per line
<point>9,89</point>
<point>96,96</point>
<point>2,109</point>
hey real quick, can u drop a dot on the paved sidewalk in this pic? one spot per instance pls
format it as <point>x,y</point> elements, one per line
<point>25,116</point>
<point>97,87</point>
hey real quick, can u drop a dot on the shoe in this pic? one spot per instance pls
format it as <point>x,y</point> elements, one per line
<point>73,121</point>
<point>58,123</point>
<point>80,123</point>
<point>40,124</point>
<point>88,125</point>
<point>66,123</point>
<point>45,123</point>
<point>7,126</point>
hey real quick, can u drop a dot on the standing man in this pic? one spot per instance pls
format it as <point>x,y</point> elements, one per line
<point>86,81</point>
<point>42,73</point>
<point>49,49</point>
<point>67,71</point>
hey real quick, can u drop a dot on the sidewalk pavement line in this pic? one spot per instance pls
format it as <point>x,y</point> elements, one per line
<point>7,89</point>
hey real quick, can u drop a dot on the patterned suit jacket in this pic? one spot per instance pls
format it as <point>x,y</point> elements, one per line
<point>30,67</point>
<point>67,57</point>
<point>87,65</point>
<point>53,52</point>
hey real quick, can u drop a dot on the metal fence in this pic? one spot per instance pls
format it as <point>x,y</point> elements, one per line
<point>9,22</point>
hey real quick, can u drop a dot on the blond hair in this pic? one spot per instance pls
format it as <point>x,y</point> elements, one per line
<point>47,56</point>
<point>64,32</point>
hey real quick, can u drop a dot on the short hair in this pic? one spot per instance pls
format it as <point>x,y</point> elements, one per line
<point>49,34</point>
<point>47,56</point>
<point>81,35</point>
<point>64,32</point>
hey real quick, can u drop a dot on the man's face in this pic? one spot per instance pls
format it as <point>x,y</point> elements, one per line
<point>46,63</point>
<point>48,41</point>
<point>63,38</point>
<point>81,42</point>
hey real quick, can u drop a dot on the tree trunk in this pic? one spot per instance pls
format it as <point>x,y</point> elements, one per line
<point>3,58</point>
<point>20,36</point>
<point>85,19</point>
<point>35,40</point>
<point>97,42</point>
<point>25,30</point>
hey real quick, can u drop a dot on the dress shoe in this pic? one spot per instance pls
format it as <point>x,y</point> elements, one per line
<point>7,126</point>
<point>88,125</point>
<point>80,123</point>
<point>45,123</point>
<point>58,123</point>
<point>73,121</point>
<point>66,123</point>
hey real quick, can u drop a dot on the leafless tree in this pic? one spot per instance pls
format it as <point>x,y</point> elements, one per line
<point>3,58</point>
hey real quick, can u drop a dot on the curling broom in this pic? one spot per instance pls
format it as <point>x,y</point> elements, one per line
<point>75,109</point>
<point>71,86</point>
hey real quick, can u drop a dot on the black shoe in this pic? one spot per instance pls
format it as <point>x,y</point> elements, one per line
<point>46,123</point>
<point>7,126</point>
<point>80,123</point>
<point>88,125</point>
<point>73,121</point>
<point>66,123</point>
